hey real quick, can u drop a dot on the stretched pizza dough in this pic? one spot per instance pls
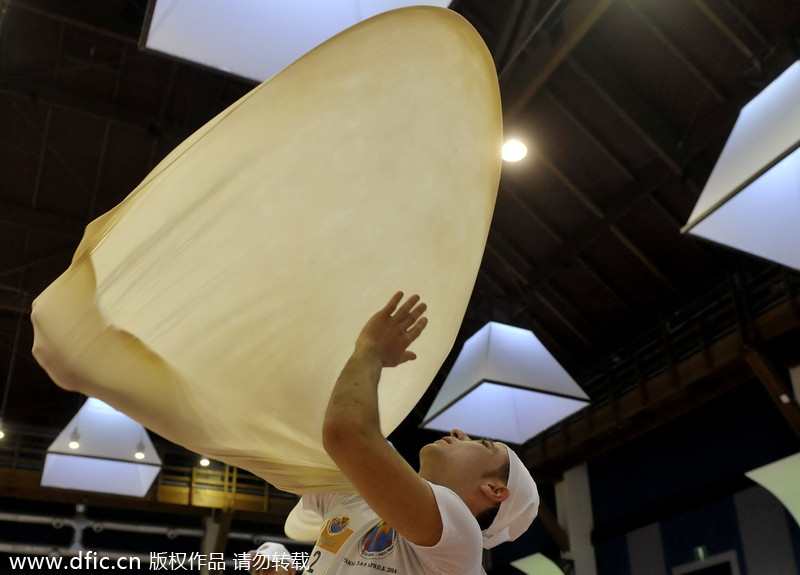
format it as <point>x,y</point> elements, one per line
<point>219,301</point>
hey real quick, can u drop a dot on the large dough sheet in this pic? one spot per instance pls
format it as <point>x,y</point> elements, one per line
<point>219,301</point>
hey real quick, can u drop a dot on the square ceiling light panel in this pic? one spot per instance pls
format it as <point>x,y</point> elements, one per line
<point>253,39</point>
<point>102,450</point>
<point>505,385</point>
<point>751,201</point>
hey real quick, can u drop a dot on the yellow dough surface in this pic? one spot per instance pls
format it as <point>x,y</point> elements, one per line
<point>219,301</point>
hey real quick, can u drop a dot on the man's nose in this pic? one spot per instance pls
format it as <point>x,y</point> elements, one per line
<point>460,435</point>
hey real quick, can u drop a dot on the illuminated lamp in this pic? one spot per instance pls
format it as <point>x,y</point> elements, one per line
<point>269,35</point>
<point>504,385</point>
<point>114,454</point>
<point>514,151</point>
<point>752,198</point>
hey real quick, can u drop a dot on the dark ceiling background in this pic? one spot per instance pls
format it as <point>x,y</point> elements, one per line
<point>625,104</point>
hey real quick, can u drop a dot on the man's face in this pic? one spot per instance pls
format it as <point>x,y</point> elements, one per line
<point>461,455</point>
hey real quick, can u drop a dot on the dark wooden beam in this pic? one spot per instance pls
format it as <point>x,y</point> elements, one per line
<point>730,31</point>
<point>655,132</point>
<point>41,221</point>
<point>62,251</point>
<point>47,94</point>
<point>498,246</point>
<point>676,52</point>
<point>101,163</point>
<point>717,368</point>
<point>20,483</point>
<point>644,259</point>
<point>530,213</point>
<point>557,303</point>
<point>588,134</point>
<point>492,281</point>
<point>525,23</point>
<point>767,373</point>
<point>575,246</point>
<point>551,523</point>
<point>571,186</point>
<point>96,21</point>
<point>224,520</point>
<point>526,78</point>
<point>15,301</point>
<point>504,38</point>
<point>606,285</point>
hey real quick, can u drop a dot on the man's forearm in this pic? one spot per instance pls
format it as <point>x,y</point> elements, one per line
<point>353,405</point>
<point>352,419</point>
<point>352,434</point>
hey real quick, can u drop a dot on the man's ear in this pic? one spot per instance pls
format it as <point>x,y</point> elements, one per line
<point>495,490</point>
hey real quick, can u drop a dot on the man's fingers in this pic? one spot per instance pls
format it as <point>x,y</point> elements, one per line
<point>412,317</point>
<point>408,317</point>
<point>418,311</point>
<point>409,312</point>
<point>406,308</point>
<point>416,329</point>
<point>392,304</point>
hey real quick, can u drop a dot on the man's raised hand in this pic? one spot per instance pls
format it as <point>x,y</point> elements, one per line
<point>393,329</point>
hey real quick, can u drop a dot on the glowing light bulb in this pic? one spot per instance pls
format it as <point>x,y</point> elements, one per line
<point>139,450</point>
<point>74,439</point>
<point>514,151</point>
<point>205,462</point>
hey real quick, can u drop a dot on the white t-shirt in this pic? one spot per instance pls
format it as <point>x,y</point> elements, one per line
<point>354,540</point>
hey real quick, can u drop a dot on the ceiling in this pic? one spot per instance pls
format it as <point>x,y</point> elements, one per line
<point>625,104</point>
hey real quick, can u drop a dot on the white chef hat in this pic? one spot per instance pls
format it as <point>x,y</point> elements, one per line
<point>277,554</point>
<point>518,510</point>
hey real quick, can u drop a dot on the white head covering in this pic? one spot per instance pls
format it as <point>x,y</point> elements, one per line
<point>519,510</point>
<point>278,554</point>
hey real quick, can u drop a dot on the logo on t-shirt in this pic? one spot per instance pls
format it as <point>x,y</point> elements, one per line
<point>337,525</point>
<point>334,534</point>
<point>378,542</point>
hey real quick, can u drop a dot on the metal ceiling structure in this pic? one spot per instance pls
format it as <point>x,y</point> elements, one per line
<point>626,105</point>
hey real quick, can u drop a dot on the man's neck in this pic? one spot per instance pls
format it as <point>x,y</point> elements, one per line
<point>472,498</point>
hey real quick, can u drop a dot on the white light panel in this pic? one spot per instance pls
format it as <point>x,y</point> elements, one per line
<point>504,385</point>
<point>751,201</point>
<point>782,479</point>
<point>762,219</point>
<point>105,461</point>
<point>254,39</point>
<point>69,471</point>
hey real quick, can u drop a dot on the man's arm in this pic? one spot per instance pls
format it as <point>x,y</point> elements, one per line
<point>352,434</point>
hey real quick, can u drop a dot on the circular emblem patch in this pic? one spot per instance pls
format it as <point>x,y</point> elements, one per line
<point>378,542</point>
<point>337,525</point>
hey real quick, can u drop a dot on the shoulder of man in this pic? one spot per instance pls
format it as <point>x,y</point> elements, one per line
<point>460,550</point>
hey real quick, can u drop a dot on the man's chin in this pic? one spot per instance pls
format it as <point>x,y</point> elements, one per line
<point>431,448</point>
<point>427,448</point>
